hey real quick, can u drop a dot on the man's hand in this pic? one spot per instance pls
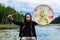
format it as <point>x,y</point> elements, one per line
<point>9,17</point>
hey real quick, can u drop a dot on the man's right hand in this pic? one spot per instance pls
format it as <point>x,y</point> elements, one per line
<point>9,17</point>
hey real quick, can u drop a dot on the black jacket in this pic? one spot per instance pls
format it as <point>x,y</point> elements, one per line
<point>26,30</point>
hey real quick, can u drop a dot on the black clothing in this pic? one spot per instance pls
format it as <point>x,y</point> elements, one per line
<point>26,30</point>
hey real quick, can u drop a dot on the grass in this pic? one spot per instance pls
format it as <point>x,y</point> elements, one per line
<point>8,26</point>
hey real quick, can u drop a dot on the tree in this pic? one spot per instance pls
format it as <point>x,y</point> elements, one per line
<point>5,11</point>
<point>56,20</point>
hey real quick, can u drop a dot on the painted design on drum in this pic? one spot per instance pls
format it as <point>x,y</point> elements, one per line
<point>43,14</point>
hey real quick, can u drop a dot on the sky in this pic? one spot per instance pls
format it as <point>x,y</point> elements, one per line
<point>29,5</point>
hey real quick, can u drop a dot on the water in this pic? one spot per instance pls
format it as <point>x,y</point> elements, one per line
<point>11,34</point>
<point>49,32</point>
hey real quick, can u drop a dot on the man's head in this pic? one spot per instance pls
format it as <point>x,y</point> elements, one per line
<point>28,17</point>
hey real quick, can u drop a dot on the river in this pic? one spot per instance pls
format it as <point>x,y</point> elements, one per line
<point>48,32</point>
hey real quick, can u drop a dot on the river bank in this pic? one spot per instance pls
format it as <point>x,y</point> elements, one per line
<point>48,32</point>
<point>13,26</point>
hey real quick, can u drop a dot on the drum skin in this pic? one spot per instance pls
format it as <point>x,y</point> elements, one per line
<point>43,14</point>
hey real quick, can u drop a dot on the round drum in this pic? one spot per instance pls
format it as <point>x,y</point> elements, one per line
<point>43,14</point>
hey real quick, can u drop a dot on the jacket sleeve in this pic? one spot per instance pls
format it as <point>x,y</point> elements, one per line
<point>17,22</point>
<point>35,23</point>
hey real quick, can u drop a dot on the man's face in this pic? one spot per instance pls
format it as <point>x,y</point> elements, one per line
<point>28,18</point>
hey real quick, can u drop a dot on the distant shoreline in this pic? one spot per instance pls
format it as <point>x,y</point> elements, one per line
<point>13,26</point>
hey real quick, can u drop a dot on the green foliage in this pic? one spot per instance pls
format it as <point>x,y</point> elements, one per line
<point>56,20</point>
<point>18,16</point>
<point>5,11</point>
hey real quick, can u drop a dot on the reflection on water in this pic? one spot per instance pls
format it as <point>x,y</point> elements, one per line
<point>50,32</point>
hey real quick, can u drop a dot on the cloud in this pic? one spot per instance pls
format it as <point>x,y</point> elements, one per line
<point>3,2</point>
<point>29,5</point>
<point>20,4</point>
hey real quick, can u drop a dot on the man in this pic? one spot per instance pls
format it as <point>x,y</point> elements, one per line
<point>27,29</point>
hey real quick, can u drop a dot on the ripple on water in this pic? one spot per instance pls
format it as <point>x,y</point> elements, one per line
<point>43,33</point>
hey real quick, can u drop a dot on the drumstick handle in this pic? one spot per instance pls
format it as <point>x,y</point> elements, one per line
<point>13,14</point>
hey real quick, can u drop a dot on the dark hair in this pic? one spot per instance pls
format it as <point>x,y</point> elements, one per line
<point>25,17</point>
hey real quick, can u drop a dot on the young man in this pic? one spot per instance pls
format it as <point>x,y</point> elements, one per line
<point>27,29</point>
